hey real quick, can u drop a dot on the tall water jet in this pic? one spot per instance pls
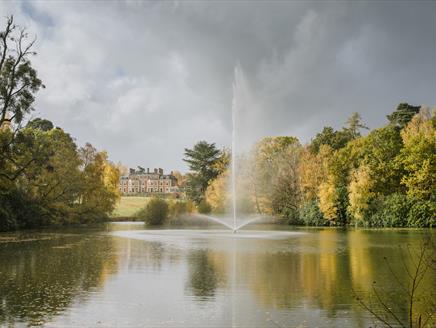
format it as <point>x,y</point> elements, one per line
<point>243,105</point>
<point>242,102</point>
<point>233,155</point>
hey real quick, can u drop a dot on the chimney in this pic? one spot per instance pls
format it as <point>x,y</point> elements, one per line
<point>148,170</point>
<point>155,170</point>
<point>160,171</point>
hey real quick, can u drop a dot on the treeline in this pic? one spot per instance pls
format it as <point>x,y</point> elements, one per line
<point>45,178</point>
<point>386,178</point>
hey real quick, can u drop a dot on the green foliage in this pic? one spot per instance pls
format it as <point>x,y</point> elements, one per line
<point>45,181</point>
<point>155,212</point>
<point>204,162</point>
<point>19,211</point>
<point>179,208</point>
<point>98,195</point>
<point>418,157</point>
<point>40,123</point>
<point>422,214</point>
<point>311,215</point>
<point>18,79</point>
<point>204,207</point>
<point>392,211</point>
<point>328,136</point>
<point>338,139</point>
<point>403,114</point>
<point>274,175</point>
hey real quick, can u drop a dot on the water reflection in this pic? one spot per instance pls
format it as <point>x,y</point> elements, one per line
<point>204,273</point>
<point>203,278</point>
<point>40,279</point>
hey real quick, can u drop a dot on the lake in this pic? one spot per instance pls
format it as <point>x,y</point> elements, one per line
<point>123,275</point>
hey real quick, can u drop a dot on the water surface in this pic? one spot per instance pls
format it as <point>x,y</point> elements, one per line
<point>123,275</point>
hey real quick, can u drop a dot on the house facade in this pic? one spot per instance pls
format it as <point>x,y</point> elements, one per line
<point>147,182</point>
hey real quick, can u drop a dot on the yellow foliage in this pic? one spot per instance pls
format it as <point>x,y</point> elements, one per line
<point>328,198</point>
<point>313,171</point>
<point>418,156</point>
<point>111,177</point>
<point>360,193</point>
<point>217,193</point>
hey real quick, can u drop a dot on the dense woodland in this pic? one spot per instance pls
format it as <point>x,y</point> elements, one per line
<point>385,178</point>
<point>45,178</point>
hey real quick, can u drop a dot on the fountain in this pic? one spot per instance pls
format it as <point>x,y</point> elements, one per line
<point>239,90</point>
<point>242,101</point>
<point>233,157</point>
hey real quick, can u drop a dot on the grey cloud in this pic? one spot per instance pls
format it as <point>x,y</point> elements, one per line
<point>146,79</point>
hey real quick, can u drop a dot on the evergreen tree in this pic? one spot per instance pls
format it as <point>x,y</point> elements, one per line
<point>203,161</point>
<point>403,114</point>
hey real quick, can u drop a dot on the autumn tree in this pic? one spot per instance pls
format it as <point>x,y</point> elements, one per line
<point>313,171</point>
<point>217,193</point>
<point>100,189</point>
<point>274,175</point>
<point>360,193</point>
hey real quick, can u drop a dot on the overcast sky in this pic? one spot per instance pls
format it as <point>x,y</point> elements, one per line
<point>144,80</point>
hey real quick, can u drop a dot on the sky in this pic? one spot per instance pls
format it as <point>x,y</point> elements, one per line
<point>144,80</point>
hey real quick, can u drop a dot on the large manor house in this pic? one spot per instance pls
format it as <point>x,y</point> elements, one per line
<point>146,182</point>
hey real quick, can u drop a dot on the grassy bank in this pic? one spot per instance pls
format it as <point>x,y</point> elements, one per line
<point>128,206</point>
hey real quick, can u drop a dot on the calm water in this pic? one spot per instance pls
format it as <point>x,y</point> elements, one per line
<point>126,276</point>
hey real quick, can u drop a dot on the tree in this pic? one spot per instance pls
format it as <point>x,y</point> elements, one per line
<point>100,192</point>
<point>18,79</point>
<point>328,199</point>
<point>418,156</point>
<point>20,151</point>
<point>313,171</point>
<point>56,184</point>
<point>180,178</point>
<point>274,175</point>
<point>360,193</point>
<point>217,193</point>
<point>403,115</point>
<point>40,123</point>
<point>203,161</point>
<point>338,139</point>
<point>328,136</point>
<point>354,124</point>
<point>155,212</point>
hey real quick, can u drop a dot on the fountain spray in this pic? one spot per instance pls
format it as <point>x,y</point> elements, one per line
<point>233,156</point>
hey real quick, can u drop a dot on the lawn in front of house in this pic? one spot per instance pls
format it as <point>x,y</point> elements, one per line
<point>129,205</point>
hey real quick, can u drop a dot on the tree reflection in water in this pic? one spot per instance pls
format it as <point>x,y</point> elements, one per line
<point>204,278</point>
<point>40,279</point>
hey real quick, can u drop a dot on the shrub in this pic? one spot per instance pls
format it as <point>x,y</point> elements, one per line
<point>19,211</point>
<point>179,208</point>
<point>204,207</point>
<point>310,214</point>
<point>291,216</point>
<point>392,211</point>
<point>422,214</point>
<point>155,212</point>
